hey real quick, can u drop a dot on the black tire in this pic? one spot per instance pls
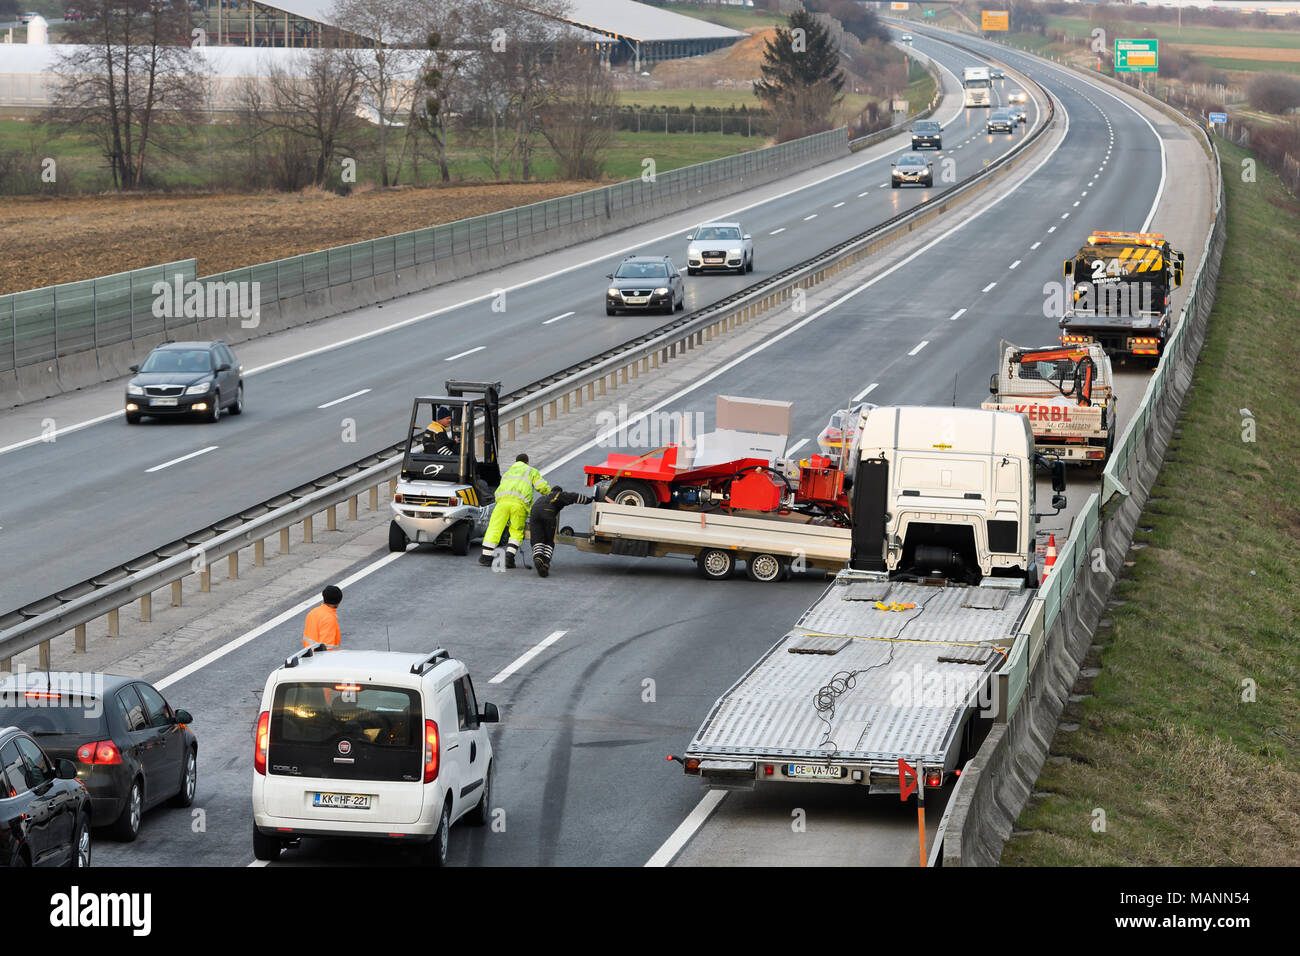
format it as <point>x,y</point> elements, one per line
<point>715,563</point>
<point>133,418</point>
<point>127,825</point>
<point>766,568</point>
<point>681,306</point>
<point>749,264</point>
<point>266,848</point>
<point>434,853</point>
<point>893,184</point>
<point>81,843</point>
<point>930,181</point>
<point>189,780</point>
<point>459,538</point>
<point>609,311</point>
<point>692,272</point>
<point>396,537</point>
<point>482,811</point>
<point>628,491</point>
<point>213,414</point>
<point>237,406</point>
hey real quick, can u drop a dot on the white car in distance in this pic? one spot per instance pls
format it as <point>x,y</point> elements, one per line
<point>720,247</point>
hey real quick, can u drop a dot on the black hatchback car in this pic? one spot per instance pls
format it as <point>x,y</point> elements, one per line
<point>186,378</point>
<point>130,749</point>
<point>927,133</point>
<point>645,284</point>
<point>44,809</point>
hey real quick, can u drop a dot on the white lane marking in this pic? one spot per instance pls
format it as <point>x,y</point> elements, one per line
<point>177,461</point>
<point>1085,192</point>
<point>775,231</point>
<point>338,401</point>
<point>919,347</point>
<point>1077,201</point>
<point>383,330</point>
<point>528,655</point>
<point>956,315</point>
<point>1014,264</point>
<point>1065,215</point>
<point>860,195</point>
<point>865,392</point>
<point>557,318</point>
<point>882,185</point>
<point>837,205</point>
<point>988,287</point>
<point>813,216</point>
<point>1035,245</point>
<point>1090,182</point>
<point>1053,229</point>
<point>301,608</point>
<point>686,829</point>
<point>789,452</point>
<point>452,358</point>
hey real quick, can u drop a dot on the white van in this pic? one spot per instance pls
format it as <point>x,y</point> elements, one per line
<point>374,744</point>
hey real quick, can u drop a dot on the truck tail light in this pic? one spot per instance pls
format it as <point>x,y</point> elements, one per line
<point>1076,339</point>
<point>933,778</point>
<point>1096,454</point>
<point>263,736</point>
<point>1145,346</point>
<point>100,752</point>
<point>430,751</point>
<point>692,765</point>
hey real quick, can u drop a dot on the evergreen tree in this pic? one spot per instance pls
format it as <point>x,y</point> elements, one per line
<point>802,78</point>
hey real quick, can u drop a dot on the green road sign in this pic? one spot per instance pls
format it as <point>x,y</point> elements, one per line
<point>929,13</point>
<point>1136,56</point>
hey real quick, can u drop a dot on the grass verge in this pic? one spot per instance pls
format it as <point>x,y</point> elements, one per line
<point>1189,767</point>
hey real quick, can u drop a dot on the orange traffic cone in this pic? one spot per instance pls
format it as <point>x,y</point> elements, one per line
<point>1050,560</point>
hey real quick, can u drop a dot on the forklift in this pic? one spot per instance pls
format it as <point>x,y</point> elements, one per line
<point>445,491</point>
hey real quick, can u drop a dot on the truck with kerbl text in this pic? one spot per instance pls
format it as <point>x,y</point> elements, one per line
<point>1118,293</point>
<point>913,649</point>
<point>977,87</point>
<point>1066,392</point>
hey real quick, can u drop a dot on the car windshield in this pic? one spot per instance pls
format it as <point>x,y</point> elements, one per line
<point>178,360</point>
<point>641,270</point>
<point>911,160</point>
<point>925,127</point>
<point>1001,114</point>
<point>717,232</point>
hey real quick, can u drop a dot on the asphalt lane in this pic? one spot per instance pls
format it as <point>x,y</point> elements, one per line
<point>88,501</point>
<point>581,772</point>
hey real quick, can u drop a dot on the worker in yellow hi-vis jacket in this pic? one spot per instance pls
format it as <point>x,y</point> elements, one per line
<point>514,499</point>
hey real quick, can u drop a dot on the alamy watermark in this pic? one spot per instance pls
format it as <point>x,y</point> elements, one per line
<point>208,300</point>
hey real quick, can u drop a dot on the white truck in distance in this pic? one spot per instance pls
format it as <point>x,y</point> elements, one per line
<point>922,640</point>
<point>1066,392</point>
<point>977,86</point>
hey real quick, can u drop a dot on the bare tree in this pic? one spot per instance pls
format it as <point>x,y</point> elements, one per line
<point>443,29</point>
<point>578,120</point>
<point>385,71</point>
<point>130,65</point>
<point>315,101</point>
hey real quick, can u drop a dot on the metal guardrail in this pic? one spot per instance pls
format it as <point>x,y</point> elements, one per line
<point>42,325</point>
<point>523,410</point>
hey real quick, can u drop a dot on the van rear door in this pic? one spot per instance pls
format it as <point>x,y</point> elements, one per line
<point>345,752</point>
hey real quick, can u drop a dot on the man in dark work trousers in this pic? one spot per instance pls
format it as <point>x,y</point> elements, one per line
<point>542,521</point>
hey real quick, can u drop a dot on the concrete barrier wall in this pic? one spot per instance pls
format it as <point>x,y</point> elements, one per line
<point>1000,778</point>
<point>93,366</point>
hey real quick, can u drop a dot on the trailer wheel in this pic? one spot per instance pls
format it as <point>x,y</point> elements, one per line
<point>715,563</point>
<point>765,567</point>
<point>460,538</point>
<point>627,491</point>
<point>396,537</point>
<point>567,531</point>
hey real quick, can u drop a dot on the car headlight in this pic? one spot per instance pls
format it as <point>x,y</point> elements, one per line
<point>613,293</point>
<point>733,252</point>
<point>200,389</point>
<point>662,290</point>
<point>134,390</point>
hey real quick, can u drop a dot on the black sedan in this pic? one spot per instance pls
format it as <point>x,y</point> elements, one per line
<point>927,133</point>
<point>186,378</point>
<point>645,284</point>
<point>44,809</point>
<point>130,749</point>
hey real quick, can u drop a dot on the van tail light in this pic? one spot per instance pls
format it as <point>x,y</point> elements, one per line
<point>100,752</point>
<point>430,751</point>
<point>263,734</point>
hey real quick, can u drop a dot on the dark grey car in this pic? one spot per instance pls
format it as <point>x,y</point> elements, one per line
<point>912,168</point>
<point>645,284</point>
<point>186,378</point>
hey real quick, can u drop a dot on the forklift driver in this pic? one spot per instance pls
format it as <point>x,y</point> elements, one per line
<point>438,438</point>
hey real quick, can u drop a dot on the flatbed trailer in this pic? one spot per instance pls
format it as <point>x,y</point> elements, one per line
<point>862,681</point>
<point>770,544</point>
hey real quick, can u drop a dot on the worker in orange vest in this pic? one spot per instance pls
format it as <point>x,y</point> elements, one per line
<point>322,626</point>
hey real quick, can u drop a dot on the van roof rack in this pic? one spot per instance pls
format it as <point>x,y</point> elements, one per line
<point>293,659</point>
<point>430,661</point>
